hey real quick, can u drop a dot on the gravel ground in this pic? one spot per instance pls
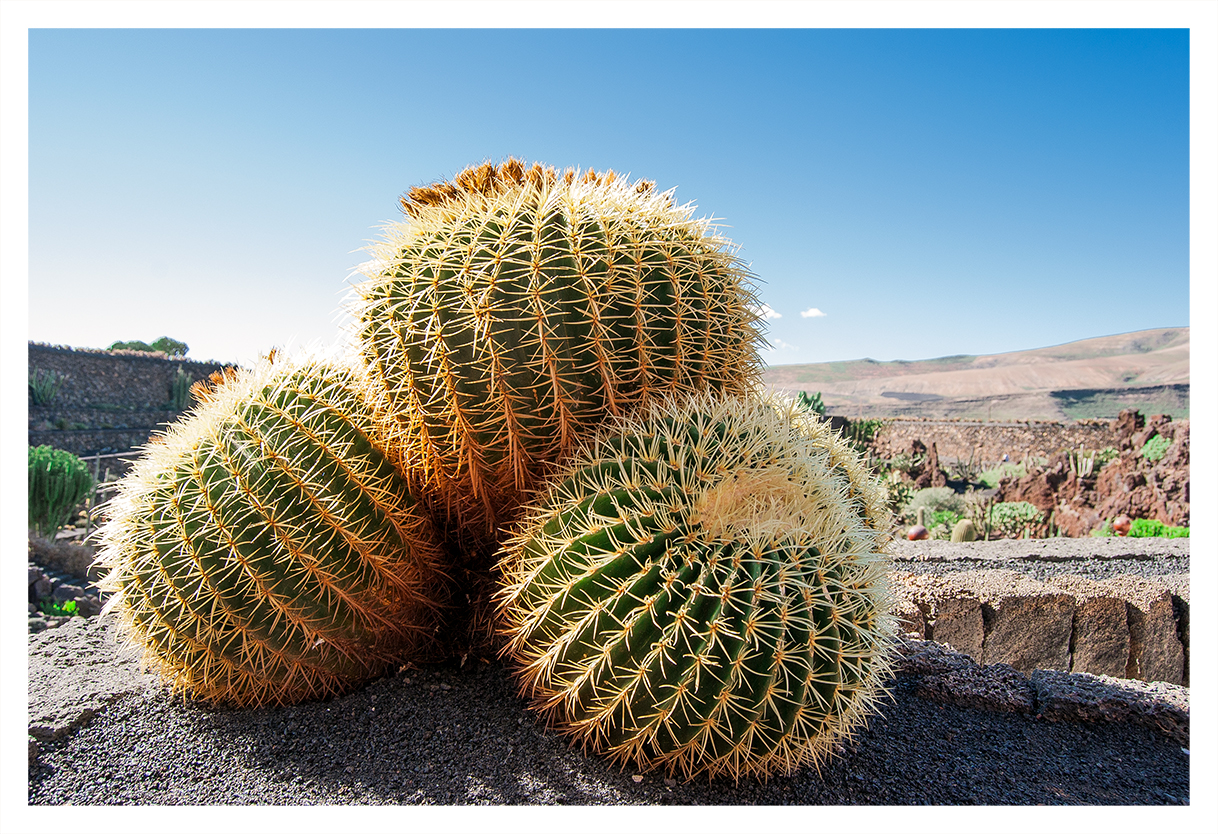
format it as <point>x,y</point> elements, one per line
<point>1096,558</point>
<point>449,735</point>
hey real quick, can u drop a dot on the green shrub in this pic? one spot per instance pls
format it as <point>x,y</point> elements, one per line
<point>1155,448</point>
<point>134,344</point>
<point>165,345</point>
<point>935,500</point>
<point>1014,519</point>
<point>58,483</point>
<point>170,347</point>
<point>813,403</point>
<point>991,477</point>
<point>940,523</point>
<point>44,386</point>
<point>1104,531</point>
<point>59,609</point>
<point>1143,528</point>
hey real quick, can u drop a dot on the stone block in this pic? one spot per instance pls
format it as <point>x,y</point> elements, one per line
<point>1100,642</point>
<point>1155,650</point>
<point>63,593</point>
<point>910,618</point>
<point>998,688</point>
<point>1027,624</point>
<point>951,611</point>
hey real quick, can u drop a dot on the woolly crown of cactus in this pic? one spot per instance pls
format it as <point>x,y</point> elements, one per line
<point>516,308</point>
<point>263,550</point>
<point>704,590</point>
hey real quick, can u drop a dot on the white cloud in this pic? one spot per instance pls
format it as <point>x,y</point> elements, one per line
<point>767,312</point>
<point>778,344</point>
<point>812,313</point>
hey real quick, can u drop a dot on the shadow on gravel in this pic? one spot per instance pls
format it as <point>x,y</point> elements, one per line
<point>461,736</point>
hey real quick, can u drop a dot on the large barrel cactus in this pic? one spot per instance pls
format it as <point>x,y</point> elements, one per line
<point>263,550</point>
<point>704,591</point>
<point>516,308</point>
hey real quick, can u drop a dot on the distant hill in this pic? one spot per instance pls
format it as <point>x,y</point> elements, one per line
<point>1095,378</point>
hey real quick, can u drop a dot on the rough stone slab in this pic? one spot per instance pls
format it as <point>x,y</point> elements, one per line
<point>1100,642</point>
<point>74,672</point>
<point>950,607</point>
<point>999,688</point>
<point>1079,697</point>
<point>1027,623</point>
<point>948,676</point>
<point>1155,650</point>
<point>1052,550</point>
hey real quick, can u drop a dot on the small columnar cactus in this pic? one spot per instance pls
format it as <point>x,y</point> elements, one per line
<point>263,550</point>
<point>964,531</point>
<point>704,590</point>
<point>516,308</point>
<point>58,482</point>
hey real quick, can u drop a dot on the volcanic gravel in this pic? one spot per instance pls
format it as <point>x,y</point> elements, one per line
<point>448,735</point>
<point>459,734</point>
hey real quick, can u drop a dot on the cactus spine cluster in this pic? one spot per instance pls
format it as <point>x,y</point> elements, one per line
<point>703,590</point>
<point>516,308</point>
<point>263,550</point>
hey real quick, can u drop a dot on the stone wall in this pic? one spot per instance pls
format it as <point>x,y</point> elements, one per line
<point>986,443</point>
<point>108,400</point>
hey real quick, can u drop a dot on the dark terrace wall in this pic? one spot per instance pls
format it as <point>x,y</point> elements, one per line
<point>110,401</point>
<point>987,442</point>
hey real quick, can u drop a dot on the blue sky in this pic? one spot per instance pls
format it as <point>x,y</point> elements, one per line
<point>930,192</point>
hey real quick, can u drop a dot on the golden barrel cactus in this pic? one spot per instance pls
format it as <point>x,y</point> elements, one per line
<point>515,308</point>
<point>704,590</point>
<point>263,550</point>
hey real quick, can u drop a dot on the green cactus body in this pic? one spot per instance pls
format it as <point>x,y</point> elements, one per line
<point>964,531</point>
<point>704,590</point>
<point>263,550</point>
<point>517,308</point>
<point>58,482</point>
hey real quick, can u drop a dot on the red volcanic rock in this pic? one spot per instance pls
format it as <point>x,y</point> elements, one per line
<point>1130,485</point>
<point>1121,525</point>
<point>918,533</point>
<point>931,475</point>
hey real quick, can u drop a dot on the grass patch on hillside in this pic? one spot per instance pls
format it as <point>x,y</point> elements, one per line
<point>1107,403</point>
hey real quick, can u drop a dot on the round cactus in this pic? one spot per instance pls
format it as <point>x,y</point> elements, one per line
<point>263,550</point>
<point>704,590</point>
<point>964,531</point>
<point>515,308</point>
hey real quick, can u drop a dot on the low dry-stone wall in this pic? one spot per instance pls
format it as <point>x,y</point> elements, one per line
<point>108,400</point>
<point>986,443</point>
<point>1096,609</point>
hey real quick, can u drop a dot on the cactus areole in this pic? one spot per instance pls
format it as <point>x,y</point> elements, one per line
<point>516,308</point>
<point>263,550</point>
<point>704,591</point>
